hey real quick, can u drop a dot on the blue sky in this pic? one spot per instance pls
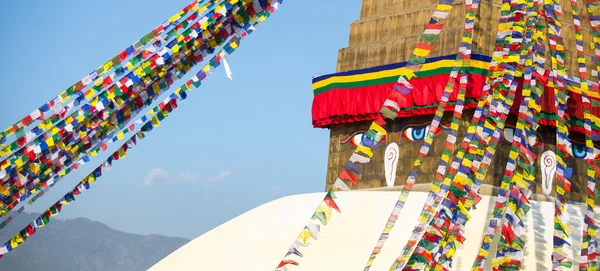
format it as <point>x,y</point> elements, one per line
<point>230,147</point>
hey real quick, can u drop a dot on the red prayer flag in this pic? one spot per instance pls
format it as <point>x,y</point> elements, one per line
<point>27,120</point>
<point>345,175</point>
<point>331,203</point>
<point>286,262</point>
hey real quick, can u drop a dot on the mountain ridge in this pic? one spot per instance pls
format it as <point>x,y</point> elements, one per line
<point>84,244</point>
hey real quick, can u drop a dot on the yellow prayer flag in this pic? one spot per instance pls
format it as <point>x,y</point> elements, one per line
<point>560,190</point>
<point>305,235</point>
<point>461,178</point>
<point>50,142</point>
<point>377,128</point>
<point>421,52</point>
<point>139,71</point>
<point>64,96</point>
<point>19,162</point>
<point>119,101</point>
<point>522,183</point>
<point>99,82</point>
<point>454,126</point>
<point>497,261</point>
<point>325,209</point>
<point>13,241</point>
<point>406,72</point>
<point>444,7</point>
<point>366,150</point>
<point>590,201</point>
<point>155,121</point>
<point>387,229</point>
<point>107,66</point>
<point>89,94</point>
<point>462,208</point>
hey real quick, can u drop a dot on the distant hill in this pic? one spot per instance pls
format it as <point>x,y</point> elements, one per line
<point>82,244</point>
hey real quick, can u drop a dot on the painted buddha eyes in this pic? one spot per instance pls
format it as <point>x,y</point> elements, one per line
<point>356,138</point>
<point>353,138</point>
<point>578,150</point>
<point>411,133</point>
<point>416,133</point>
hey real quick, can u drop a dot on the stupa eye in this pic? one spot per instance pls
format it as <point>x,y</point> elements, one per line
<point>578,150</point>
<point>353,139</point>
<point>415,134</point>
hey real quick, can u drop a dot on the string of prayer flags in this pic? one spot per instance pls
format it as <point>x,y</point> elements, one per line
<point>589,242</point>
<point>377,130</point>
<point>84,185</point>
<point>505,192</point>
<point>131,108</point>
<point>462,60</point>
<point>518,173</point>
<point>320,217</point>
<point>172,49</point>
<point>493,125</point>
<point>114,139</point>
<point>158,87</point>
<point>56,208</point>
<point>132,50</point>
<point>563,185</point>
<point>451,206</point>
<point>134,68</point>
<point>594,18</point>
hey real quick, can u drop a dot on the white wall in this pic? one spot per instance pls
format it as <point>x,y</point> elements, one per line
<point>258,239</point>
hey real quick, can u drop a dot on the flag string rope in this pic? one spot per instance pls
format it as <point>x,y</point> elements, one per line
<point>519,172</point>
<point>137,94</point>
<point>152,57</point>
<point>168,105</point>
<point>131,50</point>
<point>437,187</point>
<point>462,186</point>
<point>563,173</point>
<point>172,74</point>
<point>479,160</point>
<point>526,129</point>
<point>20,151</point>
<point>589,243</point>
<point>370,140</point>
<point>590,246</point>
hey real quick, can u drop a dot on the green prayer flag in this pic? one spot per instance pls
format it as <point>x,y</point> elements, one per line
<point>457,191</point>
<point>388,113</point>
<point>567,264</point>
<point>428,38</point>
<point>330,194</point>
<point>321,217</point>
<point>45,219</point>
<point>420,258</point>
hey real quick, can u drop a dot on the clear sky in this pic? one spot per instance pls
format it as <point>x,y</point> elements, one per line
<point>230,147</point>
